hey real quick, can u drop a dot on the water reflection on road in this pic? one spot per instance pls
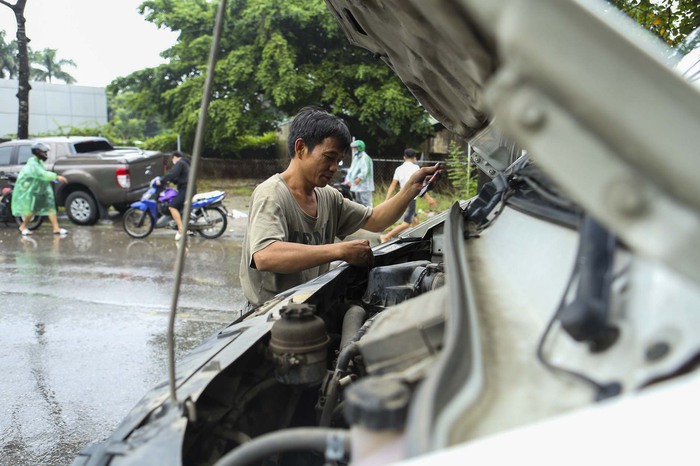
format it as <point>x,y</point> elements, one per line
<point>83,326</point>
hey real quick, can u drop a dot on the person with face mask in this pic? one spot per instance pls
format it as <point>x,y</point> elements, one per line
<point>33,193</point>
<point>360,177</point>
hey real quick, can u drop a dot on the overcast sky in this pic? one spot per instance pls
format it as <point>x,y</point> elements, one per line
<point>105,38</point>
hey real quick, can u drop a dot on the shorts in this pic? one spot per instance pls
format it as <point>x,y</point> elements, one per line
<point>410,212</point>
<point>178,201</point>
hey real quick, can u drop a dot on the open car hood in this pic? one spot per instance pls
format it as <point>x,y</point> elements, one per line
<point>589,95</point>
<point>433,48</point>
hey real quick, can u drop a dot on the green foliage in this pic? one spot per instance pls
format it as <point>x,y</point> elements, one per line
<point>461,173</point>
<point>671,20</point>
<point>268,139</point>
<point>44,65</point>
<point>164,142</point>
<point>275,57</point>
<point>9,66</point>
<point>48,67</point>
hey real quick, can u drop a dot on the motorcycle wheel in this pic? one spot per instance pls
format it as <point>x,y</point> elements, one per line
<point>137,223</point>
<point>33,224</point>
<point>212,222</point>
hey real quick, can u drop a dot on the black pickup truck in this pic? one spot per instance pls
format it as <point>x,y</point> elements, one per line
<point>99,175</point>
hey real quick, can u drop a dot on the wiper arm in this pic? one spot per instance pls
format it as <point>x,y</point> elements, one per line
<point>488,198</point>
<point>586,317</point>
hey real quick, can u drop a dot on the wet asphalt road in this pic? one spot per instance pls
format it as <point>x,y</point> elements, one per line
<point>83,328</point>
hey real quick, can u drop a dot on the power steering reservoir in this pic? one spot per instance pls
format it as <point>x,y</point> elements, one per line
<point>298,346</point>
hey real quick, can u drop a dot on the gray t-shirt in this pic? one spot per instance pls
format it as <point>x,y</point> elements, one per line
<point>274,215</point>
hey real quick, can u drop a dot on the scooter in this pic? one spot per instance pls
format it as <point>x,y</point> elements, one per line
<point>208,216</point>
<point>6,204</point>
<point>343,188</point>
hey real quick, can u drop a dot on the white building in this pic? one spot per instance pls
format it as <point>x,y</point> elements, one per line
<point>52,106</point>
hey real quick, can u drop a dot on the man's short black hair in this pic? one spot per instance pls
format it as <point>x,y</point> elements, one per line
<point>410,153</point>
<point>313,125</point>
<point>177,153</point>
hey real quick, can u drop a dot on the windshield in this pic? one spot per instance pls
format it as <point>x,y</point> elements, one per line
<point>689,64</point>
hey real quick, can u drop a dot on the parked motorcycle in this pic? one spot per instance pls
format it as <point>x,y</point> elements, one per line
<point>340,185</point>
<point>6,204</point>
<point>208,217</point>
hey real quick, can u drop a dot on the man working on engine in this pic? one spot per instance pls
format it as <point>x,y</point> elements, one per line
<point>294,217</point>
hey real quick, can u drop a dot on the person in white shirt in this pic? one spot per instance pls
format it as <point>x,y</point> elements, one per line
<point>401,176</point>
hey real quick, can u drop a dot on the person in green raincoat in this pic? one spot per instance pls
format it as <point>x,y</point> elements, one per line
<point>33,193</point>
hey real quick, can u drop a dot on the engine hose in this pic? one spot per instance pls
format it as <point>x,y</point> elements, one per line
<point>335,443</point>
<point>352,322</point>
<point>344,358</point>
<point>348,352</point>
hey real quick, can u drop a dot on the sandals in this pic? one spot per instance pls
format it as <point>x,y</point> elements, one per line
<point>28,232</point>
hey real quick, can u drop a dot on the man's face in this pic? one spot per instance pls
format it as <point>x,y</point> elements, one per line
<point>322,162</point>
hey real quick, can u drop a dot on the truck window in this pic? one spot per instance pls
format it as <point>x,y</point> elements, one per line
<point>99,145</point>
<point>25,153</point>
<point>5,155</point>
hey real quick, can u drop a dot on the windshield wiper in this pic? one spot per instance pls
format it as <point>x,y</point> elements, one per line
<point>585,318</point>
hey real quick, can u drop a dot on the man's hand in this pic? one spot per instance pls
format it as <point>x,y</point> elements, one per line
<point>62,179</point>
<point>357,180</point>
<point>419,178</point>
<point>357,252</point>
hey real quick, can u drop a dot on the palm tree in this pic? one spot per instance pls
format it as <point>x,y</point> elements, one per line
<point>8,58</point>
<point>50,67</point>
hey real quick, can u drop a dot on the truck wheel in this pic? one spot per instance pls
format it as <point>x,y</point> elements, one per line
<point>81,208</point>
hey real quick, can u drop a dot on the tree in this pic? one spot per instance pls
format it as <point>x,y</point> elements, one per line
<point>275,58</point>
<point>671,20</point>
<point>8,58</point>
<point>23,73</point>
<point>50,67</point>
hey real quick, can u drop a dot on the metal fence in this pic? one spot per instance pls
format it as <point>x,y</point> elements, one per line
<point>261,169</point>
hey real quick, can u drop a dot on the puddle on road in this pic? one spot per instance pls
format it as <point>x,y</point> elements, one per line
<point>84,326</point>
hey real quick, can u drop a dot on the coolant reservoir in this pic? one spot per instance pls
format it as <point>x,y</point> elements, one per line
<point>376,409</point>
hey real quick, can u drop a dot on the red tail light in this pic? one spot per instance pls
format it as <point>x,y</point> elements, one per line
<point>124,178</point>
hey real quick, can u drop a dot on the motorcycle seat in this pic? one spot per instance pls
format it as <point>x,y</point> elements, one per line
<point>208,195</point>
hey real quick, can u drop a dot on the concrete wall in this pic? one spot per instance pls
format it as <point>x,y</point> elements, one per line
<point>52,106</point>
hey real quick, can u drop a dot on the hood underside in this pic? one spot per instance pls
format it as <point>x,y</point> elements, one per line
<point>589,94</point>
<point>443,64</point>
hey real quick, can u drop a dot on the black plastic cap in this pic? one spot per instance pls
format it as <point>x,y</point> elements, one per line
<point>377,404</point>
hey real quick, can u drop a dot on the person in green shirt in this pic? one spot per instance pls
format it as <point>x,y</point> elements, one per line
<point>33,193</point>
